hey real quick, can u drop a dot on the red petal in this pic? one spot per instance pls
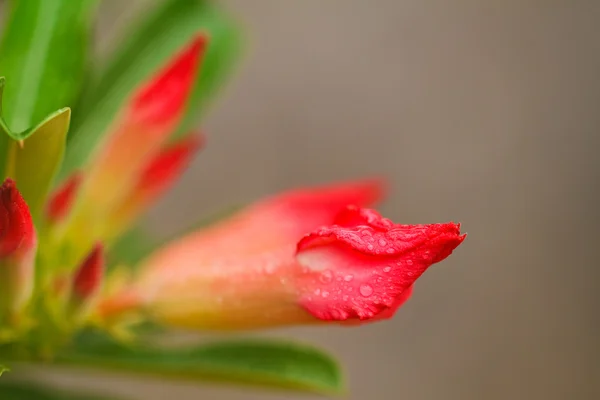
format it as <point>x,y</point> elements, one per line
<point>62,199</point>
<point>89,276</point>
<point>280,220</point>
<point>364,265</point>
<point>17,232</point>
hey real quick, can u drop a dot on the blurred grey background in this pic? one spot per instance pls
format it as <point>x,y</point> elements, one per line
<point>483,112</point>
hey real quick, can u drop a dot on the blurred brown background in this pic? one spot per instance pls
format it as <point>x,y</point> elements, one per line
<point>484,112</point>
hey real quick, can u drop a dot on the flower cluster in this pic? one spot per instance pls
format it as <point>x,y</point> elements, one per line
<point>314,255</point>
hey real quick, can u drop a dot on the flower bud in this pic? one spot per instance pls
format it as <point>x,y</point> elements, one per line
<point>87,282</point>
<point>18,244</point>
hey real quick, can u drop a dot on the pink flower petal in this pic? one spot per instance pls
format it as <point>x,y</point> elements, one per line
<point>362,266</point>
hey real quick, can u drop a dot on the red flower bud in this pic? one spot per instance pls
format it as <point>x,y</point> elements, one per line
<point>18,245</point>
<point>88,278</point>
<point>259,268</point>
<point>145,124</point>
<point>155,179</point>
<point>61,201</point>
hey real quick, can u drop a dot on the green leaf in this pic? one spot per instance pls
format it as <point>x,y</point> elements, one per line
<point>43,54</point>
<point>258,363</point>
<point>28,391</point>
<point>145,48</point>
<point>131,247</point>
<point>3,369</point>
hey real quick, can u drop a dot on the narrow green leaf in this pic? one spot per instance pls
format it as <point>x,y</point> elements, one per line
<point>257,363</point>
<point>28,391</point>
<point>3,369</point>
<point>43,55</point>
<point>146,47</point>
<point>4,134</point>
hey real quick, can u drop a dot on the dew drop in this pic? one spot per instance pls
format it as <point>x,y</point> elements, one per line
<point>382,242</point>
<point>387,268</point>
<point>366,290</point>
<point>325,294</point>
<point>370,246</point>
<point>317,292</point>
<point>409,262</point>
<point>326,276</point>
<point>348,278</point>
<point>345,297</point>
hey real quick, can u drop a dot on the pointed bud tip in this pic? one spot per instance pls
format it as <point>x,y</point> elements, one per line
<point>16,226</point>
<point>162,98</point>
<point>61,200</point>
<point>90,274</point>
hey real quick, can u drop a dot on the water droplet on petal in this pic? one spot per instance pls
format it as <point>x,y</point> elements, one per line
<point>409,262</point>
<point>366,290</point>
<point>382,242</point>
<point>370,246</point>
<point>348,278</point>
<point>325,294</point>
<point>387,268</point>
<point>317,292</point>
<point>345,297</point>
<point>326,276</point>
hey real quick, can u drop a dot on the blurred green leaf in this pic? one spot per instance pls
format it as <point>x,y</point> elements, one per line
<point>143,49</point>
<point>43,55</point>
<point>28,391</point>
<point>131,247</point>
<point>3,369</point>
<point>258,363</point>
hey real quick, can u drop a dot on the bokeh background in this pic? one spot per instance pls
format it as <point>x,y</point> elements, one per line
<point>483,112</point>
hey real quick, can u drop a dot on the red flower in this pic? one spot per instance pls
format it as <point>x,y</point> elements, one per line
<point>263,267</point>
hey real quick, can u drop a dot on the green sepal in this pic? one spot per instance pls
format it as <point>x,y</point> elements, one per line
<point>271,364</point>
<point>32,158</point>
